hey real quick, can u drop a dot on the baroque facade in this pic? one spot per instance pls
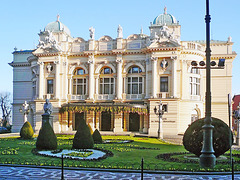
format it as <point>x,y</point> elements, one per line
<point>114,84</point>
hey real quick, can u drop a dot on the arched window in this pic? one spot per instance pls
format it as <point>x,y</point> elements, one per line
<point>79,71</point>
<point>106,70</point>
<point>134,69</point>
<point>106,81</point>
<point>79,82</point>
<point>135,80</point>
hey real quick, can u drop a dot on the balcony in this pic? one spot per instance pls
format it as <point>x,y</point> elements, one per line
<point>195,97</point>
<point>105,96</point>
<point>163,95</point>
<point>135,96</point>
<point>48,96</point>
<point>78,97</point>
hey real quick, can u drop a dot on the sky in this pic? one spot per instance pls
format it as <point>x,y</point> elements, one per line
<point>21,21</point>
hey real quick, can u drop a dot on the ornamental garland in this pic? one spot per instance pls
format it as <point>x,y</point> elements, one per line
<point>117,109</point>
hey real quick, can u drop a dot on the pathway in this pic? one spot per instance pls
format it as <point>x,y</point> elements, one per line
<point>19,173</point>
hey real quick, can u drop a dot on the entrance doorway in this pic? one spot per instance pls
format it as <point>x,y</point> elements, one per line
<point>134,122</point>
<point>106,121</point>
<point>79,119</point>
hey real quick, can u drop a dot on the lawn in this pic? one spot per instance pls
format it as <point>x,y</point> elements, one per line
<point>126,155</point>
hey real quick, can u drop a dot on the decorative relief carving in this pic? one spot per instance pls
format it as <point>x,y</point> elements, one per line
<point>164,64</point>
<point>49,68</point>
<point>90,61</point>
<point>154,58</point>
<point>119,58</point>
<point>174,57</point>
<point>40,63</point>
<point>49,43</point>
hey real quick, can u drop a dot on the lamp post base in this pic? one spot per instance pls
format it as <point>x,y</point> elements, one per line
<point>207,160</point>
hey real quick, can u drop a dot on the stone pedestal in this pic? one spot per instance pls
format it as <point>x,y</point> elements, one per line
<point>47,118</point>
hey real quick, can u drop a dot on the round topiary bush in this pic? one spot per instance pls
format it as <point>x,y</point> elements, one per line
<point>83,138</point>
<point>97,138</point>
<point>193,137</point>
<point>46,139</point>
<point>26,131</point>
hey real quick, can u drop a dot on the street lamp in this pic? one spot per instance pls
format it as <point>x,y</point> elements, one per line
<point>25,110</point>
<point>237,116</point>
<point>207,158</point>
<point>159,112</point>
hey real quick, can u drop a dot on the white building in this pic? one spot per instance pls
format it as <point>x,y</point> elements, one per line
<point>115,83</point>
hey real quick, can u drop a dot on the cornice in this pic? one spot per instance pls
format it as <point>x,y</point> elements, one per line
<point>149,50</point>
<point>223,56</point>
<point>46,54</point>
<point>202,54</point>
<point>19,64</point>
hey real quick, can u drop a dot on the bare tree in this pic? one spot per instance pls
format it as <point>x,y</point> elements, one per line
<point>6,106</point>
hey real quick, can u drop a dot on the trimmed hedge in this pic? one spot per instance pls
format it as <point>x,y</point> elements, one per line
<point>26,131</point>
<point>83,138</point>
<point>46,139</point>
<point>193,137</point>
<point>97,138</point>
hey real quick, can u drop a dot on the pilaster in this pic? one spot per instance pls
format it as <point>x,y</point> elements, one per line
<point>41,79</point>
<point>154,76</point>
<point>91,76</point>
<point>119,76</point>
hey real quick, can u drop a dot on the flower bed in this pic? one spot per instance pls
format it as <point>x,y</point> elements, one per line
<point>76,154</point>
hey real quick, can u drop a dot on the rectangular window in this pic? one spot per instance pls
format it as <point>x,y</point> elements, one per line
<point>194,86</point>
<point>106,85</point>
<point>135,85</point>
<point>50,86</point>
<point>79,86</point>
<point>164,84</point>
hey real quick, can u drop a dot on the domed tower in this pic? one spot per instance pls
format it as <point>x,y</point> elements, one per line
<point>54,34</point>
<point>57,27</point>
<point>165,26</point>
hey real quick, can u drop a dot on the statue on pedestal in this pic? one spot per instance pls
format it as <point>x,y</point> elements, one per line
<point>47,107</point>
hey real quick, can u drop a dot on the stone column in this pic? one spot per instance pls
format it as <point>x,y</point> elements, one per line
<point>65,64</point>
<point>119,76</point>
<point>174,76</point>
<point>91,76</point>
<point>154,76</point>
<point>145,123</point>
<point>118,122</point>
<point>70,85</point>
<point>147,79</point>
<point>41,79</point>
<point>57,78</point>
<point>97,85</point>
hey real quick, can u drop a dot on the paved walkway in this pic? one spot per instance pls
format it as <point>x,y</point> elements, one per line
<point>19,173</point>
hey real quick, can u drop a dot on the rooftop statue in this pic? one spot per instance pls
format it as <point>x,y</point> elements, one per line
<point>92,32</point>
<point>47,107</point>
<point>120,31</point>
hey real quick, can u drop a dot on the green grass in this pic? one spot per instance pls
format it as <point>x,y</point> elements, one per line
<point>127,155</point>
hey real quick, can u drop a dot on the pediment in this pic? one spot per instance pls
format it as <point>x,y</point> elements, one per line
<point>46,49</point>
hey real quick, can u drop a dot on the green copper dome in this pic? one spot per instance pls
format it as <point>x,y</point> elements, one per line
<point>57,26</point>
<point>165,19</point>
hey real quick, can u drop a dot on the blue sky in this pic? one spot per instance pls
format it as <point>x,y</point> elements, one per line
<point>22,20</point>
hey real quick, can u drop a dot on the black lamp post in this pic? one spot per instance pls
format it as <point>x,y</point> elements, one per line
<point>159,112</point>
<point>207,158</point>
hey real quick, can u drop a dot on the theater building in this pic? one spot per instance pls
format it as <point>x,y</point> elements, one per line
<point>114,84</point>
